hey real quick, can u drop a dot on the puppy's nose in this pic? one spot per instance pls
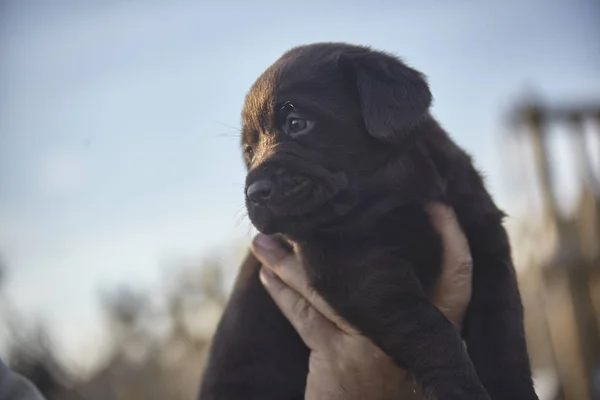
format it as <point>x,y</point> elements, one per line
<point>259,192</point>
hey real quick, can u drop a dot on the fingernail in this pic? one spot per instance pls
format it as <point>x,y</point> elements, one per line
<point>265,242</point>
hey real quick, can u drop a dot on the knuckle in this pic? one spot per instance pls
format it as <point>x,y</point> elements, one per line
<point>301,309</point>
<point>286,265</point>
<point>464,266</point>
<point>277,265</point>
<point>308,322</point>
<point>312,295</point>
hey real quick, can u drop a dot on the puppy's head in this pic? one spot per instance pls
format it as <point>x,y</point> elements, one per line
<point>320,128</point>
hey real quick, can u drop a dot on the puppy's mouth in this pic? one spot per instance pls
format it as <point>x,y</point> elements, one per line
<point>280,201</point>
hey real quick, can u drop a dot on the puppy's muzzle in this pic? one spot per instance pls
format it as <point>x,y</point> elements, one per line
<point>259,193</point>
<point>278,190</point>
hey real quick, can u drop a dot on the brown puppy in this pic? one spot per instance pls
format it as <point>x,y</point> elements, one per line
<point>342,153</point>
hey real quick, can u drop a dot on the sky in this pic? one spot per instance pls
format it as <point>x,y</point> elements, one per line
<point>119,121</point>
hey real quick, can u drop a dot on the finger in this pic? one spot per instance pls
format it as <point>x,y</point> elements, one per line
<point>315,330</point>
<point>457,254</point>
<point>285,265</point>
<point>453,290</point>
<point>291,271</point>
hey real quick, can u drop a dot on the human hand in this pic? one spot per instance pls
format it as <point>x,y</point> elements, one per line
<point>344,364</point>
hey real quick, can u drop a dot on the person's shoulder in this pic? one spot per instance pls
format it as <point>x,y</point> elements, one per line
<point>15,387</point>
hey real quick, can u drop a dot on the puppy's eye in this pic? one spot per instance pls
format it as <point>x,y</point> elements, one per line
<point>296,125</point>
<point>248,152</point>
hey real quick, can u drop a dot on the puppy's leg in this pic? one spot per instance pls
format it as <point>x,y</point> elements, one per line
<point>388,305</point>
<point>494,330</point>
<point>255,353</point>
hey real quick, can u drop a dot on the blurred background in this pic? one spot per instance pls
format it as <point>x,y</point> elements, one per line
<point>122,220</point>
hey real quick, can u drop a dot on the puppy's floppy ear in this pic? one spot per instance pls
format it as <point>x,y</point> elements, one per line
<point>394,98</point>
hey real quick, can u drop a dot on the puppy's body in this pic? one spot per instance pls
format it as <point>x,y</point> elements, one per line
<point>344,174</point>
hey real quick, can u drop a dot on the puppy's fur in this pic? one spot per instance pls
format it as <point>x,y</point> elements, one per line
<point>342,153</point>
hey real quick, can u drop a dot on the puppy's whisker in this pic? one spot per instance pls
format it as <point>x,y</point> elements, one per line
<point>232,131</point>
<point>242,215</point>
<point>239,222</point>
<point>232,127</point>
<point>240,211</point>
<point>249,232</point>
<point>229,135</point>
<point>241,219</point>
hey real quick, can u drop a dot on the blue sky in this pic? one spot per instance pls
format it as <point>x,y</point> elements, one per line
<point>118,120</point>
